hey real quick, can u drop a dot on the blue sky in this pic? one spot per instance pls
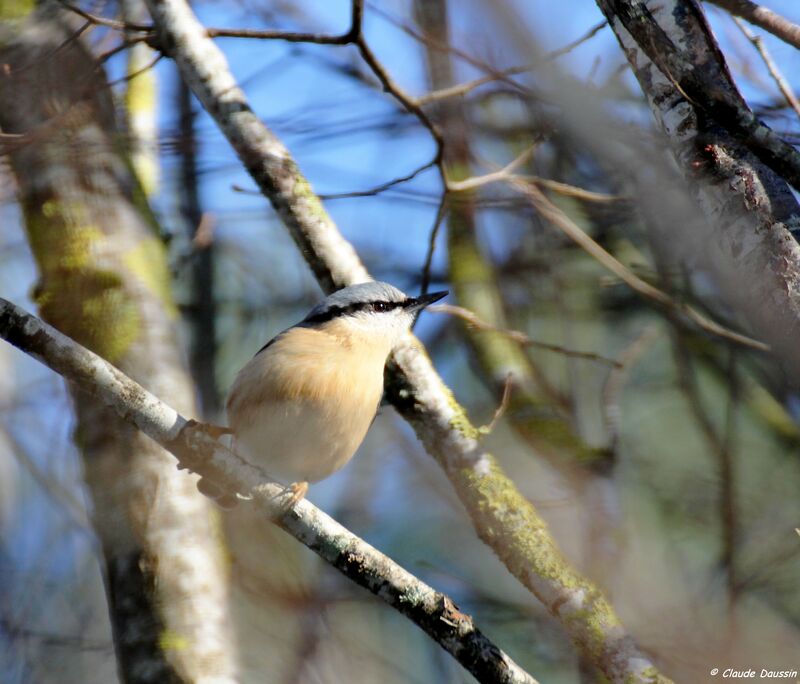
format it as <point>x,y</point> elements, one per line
<point>294,96</point>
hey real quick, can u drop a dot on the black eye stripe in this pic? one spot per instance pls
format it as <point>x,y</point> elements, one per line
<point>383,306</point>
<point>337,311</point>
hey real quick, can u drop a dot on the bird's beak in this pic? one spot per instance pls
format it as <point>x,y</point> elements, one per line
<point>417,304</point>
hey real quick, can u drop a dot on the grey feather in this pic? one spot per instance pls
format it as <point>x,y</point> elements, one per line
<point>343,299</point>
<point>355,294</point>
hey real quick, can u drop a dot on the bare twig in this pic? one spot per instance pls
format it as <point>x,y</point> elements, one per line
<point>501,408</point>
<point>433,235</point>
<point>461,54</point>
<point>567,190</point>
<point>127,77</point>
<point>353,36</point>
<point>97,20</point>
<point>390,86</point>
<point>506,174</point>
<point>772,67</point>
<point>195,450</point>
<point>378,189</point>
<point>614,384</point>
<point>288,36</point>
<point>520,337</point>
<point>465,88</point>
<point>262,34</point>
<point>495,177</point>
<point>768,20</point>
<point>559,219</point>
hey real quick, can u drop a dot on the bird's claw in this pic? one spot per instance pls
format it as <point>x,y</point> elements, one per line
<point>298,491</point>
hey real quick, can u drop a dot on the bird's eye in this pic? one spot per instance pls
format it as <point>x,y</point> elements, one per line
<point>381,306</point>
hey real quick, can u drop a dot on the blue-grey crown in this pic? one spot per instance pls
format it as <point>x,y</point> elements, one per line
<point>354,298</point>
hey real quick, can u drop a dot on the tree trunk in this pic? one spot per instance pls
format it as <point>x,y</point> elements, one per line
<point>104,282</point>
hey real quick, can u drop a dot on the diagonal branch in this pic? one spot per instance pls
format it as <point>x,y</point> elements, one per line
<point>780,80</point>
<point>777,25</point>
<point>559,219</point>
<point>433,612</point>
<point>501,516</point>
<point>710,89</point>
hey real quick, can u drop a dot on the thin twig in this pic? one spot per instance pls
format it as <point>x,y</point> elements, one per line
<point>353,36</point>
<point>102,21</point>
<point>772,67</point>
<point>502,407</point>
<point>214,32</point>
<point>465,88</point>
<point>378,189</point>
<point>559,219</point>
<point>506,173</point>
<point>433,235</point>
<point>495,177</point>
<point>461,54</point>
<point>371,192</point>
<point>275,34</point>
<point>127,77</point>
<point>567,190</point>
<point>390,86</point>
<point>518,336</point>
<point>614,384</point>
<point>770,21</point>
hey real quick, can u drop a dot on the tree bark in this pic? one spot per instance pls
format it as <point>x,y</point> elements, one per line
<point>432,611</point>
<point>103,280</point>
<point>750,218</point>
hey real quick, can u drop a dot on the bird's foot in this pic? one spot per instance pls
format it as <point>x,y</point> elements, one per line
<point>298,491</point>
<point>216,431</point>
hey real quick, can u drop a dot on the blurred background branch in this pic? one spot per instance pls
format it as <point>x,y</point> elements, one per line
<point>433,612</point>
<point>426,131</point>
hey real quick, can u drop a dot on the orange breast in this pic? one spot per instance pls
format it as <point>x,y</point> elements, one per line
<point>302,406</point>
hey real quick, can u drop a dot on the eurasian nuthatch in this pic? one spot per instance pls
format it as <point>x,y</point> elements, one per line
<point>302,406</point>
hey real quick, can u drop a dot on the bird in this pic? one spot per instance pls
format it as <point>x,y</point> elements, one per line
<point>301,407</point>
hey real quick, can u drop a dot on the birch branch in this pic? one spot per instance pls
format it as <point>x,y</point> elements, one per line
<point>433,612</point>
<point>503,518</point>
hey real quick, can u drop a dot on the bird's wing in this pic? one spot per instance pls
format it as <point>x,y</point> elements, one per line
<point>268,344</point>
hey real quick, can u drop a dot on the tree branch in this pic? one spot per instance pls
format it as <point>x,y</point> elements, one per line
<point>780,80</point>
<point>768,20</point>
<point>709,88</point>
<point>749,216</point>
<point>433,612</point>
<point>502,517</point>
<point>472,320</point>
<point>688,313</point>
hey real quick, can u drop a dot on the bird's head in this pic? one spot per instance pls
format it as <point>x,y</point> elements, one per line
<point>377,312</point>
